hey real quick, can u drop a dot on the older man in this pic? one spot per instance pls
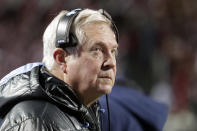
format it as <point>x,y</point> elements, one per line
<point>79,57</point>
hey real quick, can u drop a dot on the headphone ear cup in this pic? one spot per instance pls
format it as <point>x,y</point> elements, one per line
<point>72,40</point>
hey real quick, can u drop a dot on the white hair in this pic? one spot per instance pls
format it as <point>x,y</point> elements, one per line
<point>49,38</point>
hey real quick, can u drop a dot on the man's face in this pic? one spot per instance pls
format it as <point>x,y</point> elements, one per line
<point>92,72</point>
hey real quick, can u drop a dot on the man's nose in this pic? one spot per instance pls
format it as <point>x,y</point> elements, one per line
<point>109,62</point>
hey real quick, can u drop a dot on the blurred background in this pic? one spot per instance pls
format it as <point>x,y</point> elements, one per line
<point>157,54</point>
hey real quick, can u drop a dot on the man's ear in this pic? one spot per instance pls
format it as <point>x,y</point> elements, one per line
<point>59,57</point>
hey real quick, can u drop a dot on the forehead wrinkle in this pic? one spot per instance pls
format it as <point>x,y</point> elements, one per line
<point>101,28</point>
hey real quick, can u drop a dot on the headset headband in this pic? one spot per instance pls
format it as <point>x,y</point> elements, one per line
<point>64,38</point>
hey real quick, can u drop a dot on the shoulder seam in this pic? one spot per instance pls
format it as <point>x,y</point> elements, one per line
<point>44,110</point>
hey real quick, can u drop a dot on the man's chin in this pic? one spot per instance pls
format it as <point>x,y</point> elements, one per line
<point>105,89</point>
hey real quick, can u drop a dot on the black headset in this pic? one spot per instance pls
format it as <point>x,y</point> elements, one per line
<point>64,38</point>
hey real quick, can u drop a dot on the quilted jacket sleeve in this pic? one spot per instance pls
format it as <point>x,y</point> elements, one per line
<point>31,124</point>
<point>38,116</point>
<point>27,116</point>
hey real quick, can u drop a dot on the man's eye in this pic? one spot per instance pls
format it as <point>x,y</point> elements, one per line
<point>97,49</point>
<point>97,52</point>
<point>114,51</point>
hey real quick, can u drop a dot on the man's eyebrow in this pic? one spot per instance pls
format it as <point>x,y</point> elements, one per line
<point>100,43</point>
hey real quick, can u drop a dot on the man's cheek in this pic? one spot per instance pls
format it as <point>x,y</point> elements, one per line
<point>93,66</point>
